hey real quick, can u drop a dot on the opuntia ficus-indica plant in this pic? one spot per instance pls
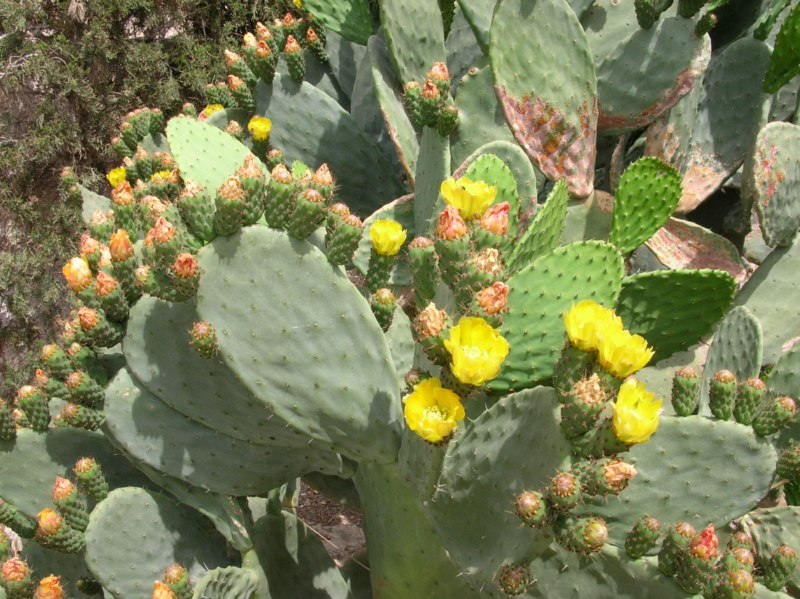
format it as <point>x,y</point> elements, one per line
<point>437,269</point>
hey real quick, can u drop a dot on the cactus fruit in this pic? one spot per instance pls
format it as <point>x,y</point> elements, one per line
<point>677,540</point>
<point>685,391</point>
<point>749,396</point>
<point>16,579</point>
<point>90,479</point>
<point>16,520</point>
<point>642,537</point>
<point>735,584</point>
<point>774,415</point>
<point>722,394</point>
<point>780,567</point>
<point>54,532</point>
<point>564,491</point>
<point>531,507</point>
<point>36,407</point>
<point>69,504</point>
<point>513,579</point>
<point>582,535</point>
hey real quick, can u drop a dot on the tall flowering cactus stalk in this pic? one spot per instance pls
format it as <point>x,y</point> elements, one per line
<point>347,269</point>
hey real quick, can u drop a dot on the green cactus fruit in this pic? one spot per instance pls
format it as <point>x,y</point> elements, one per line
<point>379,270</point>
<point>780,567</point>
<point>343,240</point>
<point>185,276</point>
<point>84,358</point>
<point>53,532</point>
<point>279,201</point>
<point>582,535</point>
<point>564,491</point>
<point>531,507</point>
<point>126,209</point>
<point>219,94</point>
<point>430,325</point>
<point>203,339</point>
<point>69,504</point>
<point>738,558</point>
<point>685,391</point>
<point>251,177</point>
<point>447,120</point>
<point>573,365</point>
<point>78,416</point>
<point>230,207</point>
<point>774,415</point>
<point>102,225</point>
<point>422,263</point>
<point>164,240</point>
<point>111,297</point>
<point>695,568</point>
<point>316,44</point>
<point>605,476</point>
<point>722,394</point>
<point>242,96</point>
<point>5,545</point>
<point>177,579</point>
<point>261,58</point>
<point>237,66</point>
<point>749,396</point>
<point>452,245</point>
<point>84,390</point>
<point>412,97</point>
<point>8,428</point>
<point>55,361</point>
<point>309,213</point>
<point>197,209</point>
<point>788,466</point>
<point>741,539</point>
<point>646,12</point>
<point>16,577</point>
<point>322,180</point>
<point>642,537</point>
<point>121,148</point>
<point>91,250</point>
<point>36,407</point>
<point>336,215</point>
<point>431,104</point>
<point>735,584</point>
<point>584,406</point>
<point>90,479</point>
<point>51,387</point>
<point>295,61</point>
<point>124,263</point>
<point>16,520</point>
<point>677,539</point>
<point>513,579</point>
<point>383,303</point>
<point>129,135</point>
<point>705,24</point>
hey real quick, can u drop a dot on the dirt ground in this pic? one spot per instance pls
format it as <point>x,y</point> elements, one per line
<point>337,526</point>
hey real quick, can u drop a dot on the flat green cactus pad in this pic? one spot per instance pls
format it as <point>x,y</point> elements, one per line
<point>513,446</point>
<point>349,18</point>
<point>69,566</point>
<point>433,167</point>
<point>226,583</point>
<point>736,347</point>
<point>544,232</point>
<point>538,296</point>
<point>784,63</point>
<point>551,110</point>
<point>30,465</point>
<point>134,534</point>
<point>674,309</point>
<point>400,337</point>
<point>785,377</point>
<point>204,154</point>
<point>91,202</point>
<point>166,440</point>
<point>415,36</point>
<point>679,474</point>
<point>295,313</point>
<point>479,15</point>
<point>771,527</point>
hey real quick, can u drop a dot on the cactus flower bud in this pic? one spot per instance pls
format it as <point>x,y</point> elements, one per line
<point>705,544</point>
<point>88,245</point>
<point>262,50</point>
<point>262,31</point>
<point>438,72</point>
<point>494,299</point>
<point>618,474</point>
<point>77,274</point>
<point>15,570</point>
<point>234,83</point>
<point>163,230</point>
<point>495,219</point>
<point>89,318</point>
<point>49,588</point>
<point>49,522</point>
<point>291,46</point>
<point>104,284</point>
<point>185,266</point>
<point>122,195</point>
<point>513,579</point>
<point>120,246</point>
<point>231,58</point>
<point>429,90</point>
<point>259,128</point>
<point>450,225</point>
<point>203,339</point>
<point>234,128</point>
<point>62,488</point>
<point>162,591</point>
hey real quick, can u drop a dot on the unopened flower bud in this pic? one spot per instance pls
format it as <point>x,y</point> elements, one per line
<point>429,90</point>
<point>49,588</point>
<point>495,219</point>
<point>185,266</point>
<point>62,488</point>
<point>77,274</point>
<point>120,246</point>
<point>450,225</point>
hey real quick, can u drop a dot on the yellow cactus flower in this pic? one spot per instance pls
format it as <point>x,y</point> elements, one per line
<point>471,198</point>
<point>161,176</point>
<point>477,351</point>
<point>298,4</point>
<point>387,236</point>
<point>77,274</point>
<point>432,411</point>
<point>116,176</point>
<point>260,128</point>
<point>636,413</point>
<point>209,110</point>
<point>622,353</point>
<point>585,323</point>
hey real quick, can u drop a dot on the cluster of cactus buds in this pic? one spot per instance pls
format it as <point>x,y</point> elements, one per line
<point>137,125</point>
<point>429,103</point>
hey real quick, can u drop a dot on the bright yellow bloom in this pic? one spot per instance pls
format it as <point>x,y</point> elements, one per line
<point>387,236</point>
<point>635,413</point>
<point>116,176</point>
<point>585,323</point>
<point>471,198</point>
<point>77,274</point>
<point>432,411</point>
<point>260,128</point>
<point>209,110</point>
<point>160,175</point>
<point>298,4</point>
<point>622,353</point>
<point>477,351</point>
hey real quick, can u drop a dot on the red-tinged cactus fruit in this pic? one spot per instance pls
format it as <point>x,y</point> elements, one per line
<point>203,339</point>
<point>241,92</point>
<point>309,213</point>
<point>120,246</point>
<point>431,102</point>
<point>36,406</point>
<point>564,491</point>
<point>343,240</point>
<point>177,579</point>
<point>722,394</point>
<point>749,396</point>
<point>49,587</point>
<point>162,591</point>
<point>383,303</point>
<point>230,203</point>
<point>780,567</point>
<point>449,225</point>
<point>90,479</point>
<point>531,507</point>
<point>685,391</point>
<point>323,181</point>
<point>316,45</point>
<point>513,579</point>
<point>412,99</point>
<point>493,300</point>
<point>185,266</point>
<point>439,75</point>
<point>695,568</point>
<point>677,539</point>
<point>642,537</point>
<point>705,545</point>
<point>77,274</point>
<point>584,405</point>
<point>774,415</point>
<point>422,262</point>
<point>294,59</point>
<point>495,219</point>
<point>16,577</point>
<point>8,428</point>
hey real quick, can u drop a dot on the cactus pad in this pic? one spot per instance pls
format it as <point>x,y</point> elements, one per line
<point>226,583</point>
<point>785,377</point>
<point>544,232</point>
<point>415,36</point>
<point>538,296</point>
<point>674,309</point>
<point>297,313</point>
<point>783,64</point>
<point>493,171</point>
<point>771,527</point>
<point>349,18</point>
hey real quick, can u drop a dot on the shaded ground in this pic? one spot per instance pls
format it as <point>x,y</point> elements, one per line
<point>337,526</point>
